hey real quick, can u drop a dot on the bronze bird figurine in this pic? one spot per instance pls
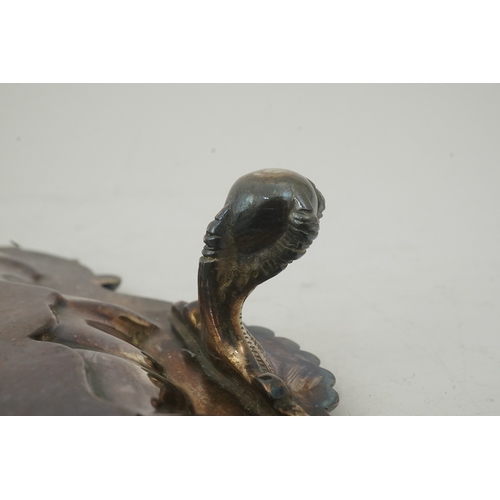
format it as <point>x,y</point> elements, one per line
<point>71,345</point>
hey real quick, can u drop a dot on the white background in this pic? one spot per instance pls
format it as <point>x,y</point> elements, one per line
<point>399,294</point>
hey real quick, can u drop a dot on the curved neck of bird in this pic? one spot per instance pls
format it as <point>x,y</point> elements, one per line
<point>241,251</point>
<point>221,304</point>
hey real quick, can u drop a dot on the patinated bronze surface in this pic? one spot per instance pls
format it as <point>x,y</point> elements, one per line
<point>71,345</point>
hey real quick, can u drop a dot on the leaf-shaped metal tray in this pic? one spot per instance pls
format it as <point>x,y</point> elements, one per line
<point>70,344</point>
